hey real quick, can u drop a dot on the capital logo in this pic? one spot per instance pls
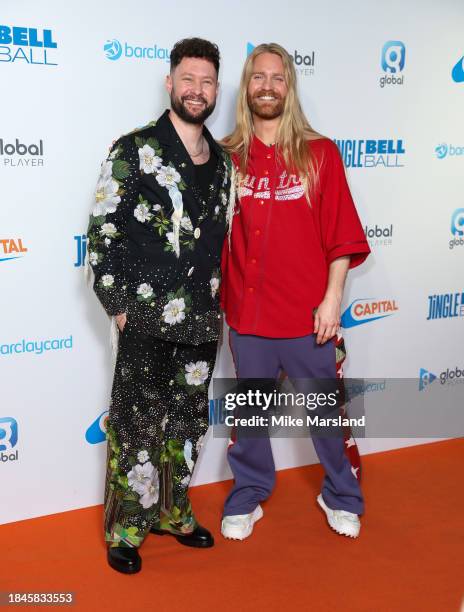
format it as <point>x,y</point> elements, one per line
<point>31,46</point>
<point>441,150</point>
<point>113,49</point>
<point>11,248</point>
<point>425,378</point>
<point>367,310</point>
<point>97,431</point>
<point>393,56</point>
<point>81,250</point>
<point>457,74</point>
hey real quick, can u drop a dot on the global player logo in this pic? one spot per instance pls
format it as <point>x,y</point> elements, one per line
<point>457,74</point>
<point>113,49</point>
<point>367,310</point>
<point>97,431</point>
<point>425,378</point>
<point>457,228</point>
<point>304,63</point>
<point>392,62</point>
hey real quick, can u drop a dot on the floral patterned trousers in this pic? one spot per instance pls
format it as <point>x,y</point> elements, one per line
<point>157,419</point>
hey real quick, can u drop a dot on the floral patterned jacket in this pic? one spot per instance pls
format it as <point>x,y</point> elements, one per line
<point>154,243</point>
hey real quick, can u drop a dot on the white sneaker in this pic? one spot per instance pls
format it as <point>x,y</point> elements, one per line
<point>341,521</point>
<point>240,526</point>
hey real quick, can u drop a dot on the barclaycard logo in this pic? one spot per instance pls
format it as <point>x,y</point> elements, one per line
<point>457,73</point>
<point>114,50</point>
<point>97,431</point>
<point>444,150</point>
<point>367,310</point>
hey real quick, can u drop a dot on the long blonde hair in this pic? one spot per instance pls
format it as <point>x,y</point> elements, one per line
<point>294,129</point>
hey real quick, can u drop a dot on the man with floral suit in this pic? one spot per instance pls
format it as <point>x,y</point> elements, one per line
<point>155,237</point>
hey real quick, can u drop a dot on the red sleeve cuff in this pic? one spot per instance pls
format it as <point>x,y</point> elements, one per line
<point>358,252</point>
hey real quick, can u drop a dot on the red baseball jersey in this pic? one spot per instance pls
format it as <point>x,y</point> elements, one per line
<point>276,270</point>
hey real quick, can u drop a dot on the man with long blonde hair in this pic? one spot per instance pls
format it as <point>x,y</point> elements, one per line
<point>293,234</point>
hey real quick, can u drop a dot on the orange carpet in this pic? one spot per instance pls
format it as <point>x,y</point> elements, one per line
<point>409,556</point>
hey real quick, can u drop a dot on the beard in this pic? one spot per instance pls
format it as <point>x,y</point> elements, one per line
<point>179,107</point>
<point>263,109</point>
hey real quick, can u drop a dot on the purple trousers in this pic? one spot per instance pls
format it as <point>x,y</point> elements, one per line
<point>251,459</point>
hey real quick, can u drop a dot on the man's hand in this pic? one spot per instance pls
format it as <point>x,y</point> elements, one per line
<point>121,320</point>
<point>327,319</point>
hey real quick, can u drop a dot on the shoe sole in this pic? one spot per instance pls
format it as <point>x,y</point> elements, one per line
<point>326,510</point>
<point>180,539</point>
<point>257,515</point>
<point>133,570</point>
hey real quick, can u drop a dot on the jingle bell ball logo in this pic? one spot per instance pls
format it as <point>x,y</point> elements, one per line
<point>97,431</point>
<point>371,153</point>
<point>12,248</point>
<point>366,311</point>
<point>8,439</point>
<point>457,228</point>
<point>302,60</point>
<point>31,46</point>
<point>444,150</point>
<point>115,50</point>
<point>392,63</point>
<point>445,305</point>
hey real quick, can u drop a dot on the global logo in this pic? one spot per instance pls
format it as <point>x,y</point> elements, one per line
<point>457,228</point>
<point>442,150</point>
<point>303,62</point>
<point>457,74</point>
<point>379,235</point>
<point>97,431</point>
<point>113,49</point>
<point>371,153</point>
<point>17,154</point>
<point>392,62</point>
<point>367,310</point>
<point>8,439</point>
<point>27,45</point>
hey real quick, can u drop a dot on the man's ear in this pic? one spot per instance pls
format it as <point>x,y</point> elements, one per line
<point>168,83</point>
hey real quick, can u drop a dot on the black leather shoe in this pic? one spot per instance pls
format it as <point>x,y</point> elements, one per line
<point>124,559</point>
<point>199,538</point>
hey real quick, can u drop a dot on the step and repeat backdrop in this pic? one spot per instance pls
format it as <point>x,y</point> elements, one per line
<point>385,80</point>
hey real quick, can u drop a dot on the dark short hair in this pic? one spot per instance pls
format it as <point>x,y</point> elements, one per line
<point>195,47</point>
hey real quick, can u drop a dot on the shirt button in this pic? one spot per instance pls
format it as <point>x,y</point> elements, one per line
<point>253,261</point>
<point>266,172</point>
<point>196,233</point>
<point>251,289</point>
<point>261,202</point>
<point>257,232</point>
<point>268,156</point>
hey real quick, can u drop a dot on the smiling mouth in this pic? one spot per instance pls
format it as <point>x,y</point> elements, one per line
<point>195,102</point>
<point>267,98</point>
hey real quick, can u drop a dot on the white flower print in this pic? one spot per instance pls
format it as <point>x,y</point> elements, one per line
<point>107,242</point>
<point>93,258</point>
<point>170,237</point>
<point>140,475</point>
<point>142,213</point>
<point>196,373</point>
<point>106,192</point>
<point>107,280</point>
<point>167,176</point>
<point>145,290</point>
<point>186,224</point>
<point>156,206</point>
<point>164,421</point>
<point>199,444</point>
<point>216,210</point>
<point>143,456</point>
<point>149,491</point>
<point>223,198</point>
<point>174,311</point>
<point>149,162</point>
<point>214,282</point>
<point>185,481</point>
<point>188,455</point>
<point>108,229</point>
